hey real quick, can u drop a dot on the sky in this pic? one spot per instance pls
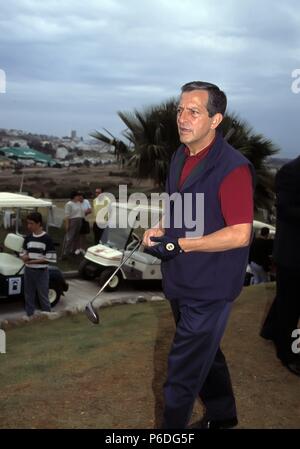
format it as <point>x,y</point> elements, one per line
<point>69,64</point>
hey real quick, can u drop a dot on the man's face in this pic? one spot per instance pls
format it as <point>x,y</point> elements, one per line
<point>195,127</point>
<point>34,227</point>
<point>97,192</point>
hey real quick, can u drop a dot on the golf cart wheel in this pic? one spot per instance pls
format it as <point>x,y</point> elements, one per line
<point>87,270</point>
<point>115,281</point>
<point>54,295</point>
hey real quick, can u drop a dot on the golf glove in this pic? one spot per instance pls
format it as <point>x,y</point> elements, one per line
<point>166,248</point>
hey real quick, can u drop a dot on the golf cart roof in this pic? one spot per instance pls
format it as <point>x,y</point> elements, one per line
<point>18,200</point>
<point>259,224</point>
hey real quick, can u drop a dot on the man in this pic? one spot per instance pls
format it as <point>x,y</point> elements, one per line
<point>260,256</point>
<point>85,227</point>
<point>38,252</point>
<point>202,275</point>
<point>101,204</point>
<point>284,313</point>
<point>74,213</point>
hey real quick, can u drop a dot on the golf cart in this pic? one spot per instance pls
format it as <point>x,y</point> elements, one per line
<point>257,226</point>
<point>101,260</point>
<point>11,266</point>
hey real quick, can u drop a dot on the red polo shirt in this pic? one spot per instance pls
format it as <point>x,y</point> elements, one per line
<point>236,190</point>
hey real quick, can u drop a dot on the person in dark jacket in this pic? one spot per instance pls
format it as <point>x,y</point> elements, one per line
<point>203,242</point>
<point>260,256</point>
<point>282,319</point>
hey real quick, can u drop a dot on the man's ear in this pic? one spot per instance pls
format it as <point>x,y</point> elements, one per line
<point>216,120</point>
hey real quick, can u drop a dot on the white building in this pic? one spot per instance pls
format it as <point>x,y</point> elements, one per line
<point>21,142</point>
<point>61,153</point>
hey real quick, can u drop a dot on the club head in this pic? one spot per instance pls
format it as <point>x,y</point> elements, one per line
<point>91,313</point>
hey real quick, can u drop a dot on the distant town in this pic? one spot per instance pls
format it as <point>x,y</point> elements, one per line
<point>20,149</point>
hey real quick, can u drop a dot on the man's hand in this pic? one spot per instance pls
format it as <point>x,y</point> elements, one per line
<point>153,232</point>
<point>25,258</point>
<point>164,248</point>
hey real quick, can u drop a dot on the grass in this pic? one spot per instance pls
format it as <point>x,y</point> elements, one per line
<point>69,373</point>
<point>71,361</point>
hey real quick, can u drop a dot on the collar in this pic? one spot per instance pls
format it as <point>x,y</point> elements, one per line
<point>207,163</point>
<point>201,155</point>
<point>39,235</point>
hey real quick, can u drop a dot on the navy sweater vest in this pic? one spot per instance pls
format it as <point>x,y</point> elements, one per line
<point>203,275</point>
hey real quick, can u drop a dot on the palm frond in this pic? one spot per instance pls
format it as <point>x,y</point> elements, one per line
<point>154,137</point>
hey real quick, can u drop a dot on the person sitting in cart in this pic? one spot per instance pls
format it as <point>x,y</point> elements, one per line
<point>38,252</point>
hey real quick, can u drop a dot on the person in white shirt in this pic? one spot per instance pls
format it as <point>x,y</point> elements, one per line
<point>101,207</point>
<point>82,240</point>
<point>74,213</point>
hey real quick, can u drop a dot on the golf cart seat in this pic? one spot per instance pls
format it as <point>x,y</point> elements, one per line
<point>145,258</point>
<point>9,263</point>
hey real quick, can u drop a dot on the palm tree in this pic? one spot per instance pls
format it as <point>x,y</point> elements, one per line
<point>153,136</point>
<point>257,149</point>
<point>122,151</point>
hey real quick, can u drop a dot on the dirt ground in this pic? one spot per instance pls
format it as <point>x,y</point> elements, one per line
<point>59,182</point>
<point>69,373</point>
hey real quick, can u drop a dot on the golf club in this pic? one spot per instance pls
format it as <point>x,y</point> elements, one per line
<point>89,309</point>
<point>63,246</point>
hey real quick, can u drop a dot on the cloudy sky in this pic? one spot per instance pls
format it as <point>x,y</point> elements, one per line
<point>72,64</point>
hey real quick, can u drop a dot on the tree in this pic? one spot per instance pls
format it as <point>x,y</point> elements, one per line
<point>35,144</point>
<point>122,151</point>
<point>48,149</point>
<point>257,149</point>
<point>153,136</point>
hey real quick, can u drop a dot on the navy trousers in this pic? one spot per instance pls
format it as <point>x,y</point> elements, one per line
<point>196,364</point>
<point>36,283</point>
